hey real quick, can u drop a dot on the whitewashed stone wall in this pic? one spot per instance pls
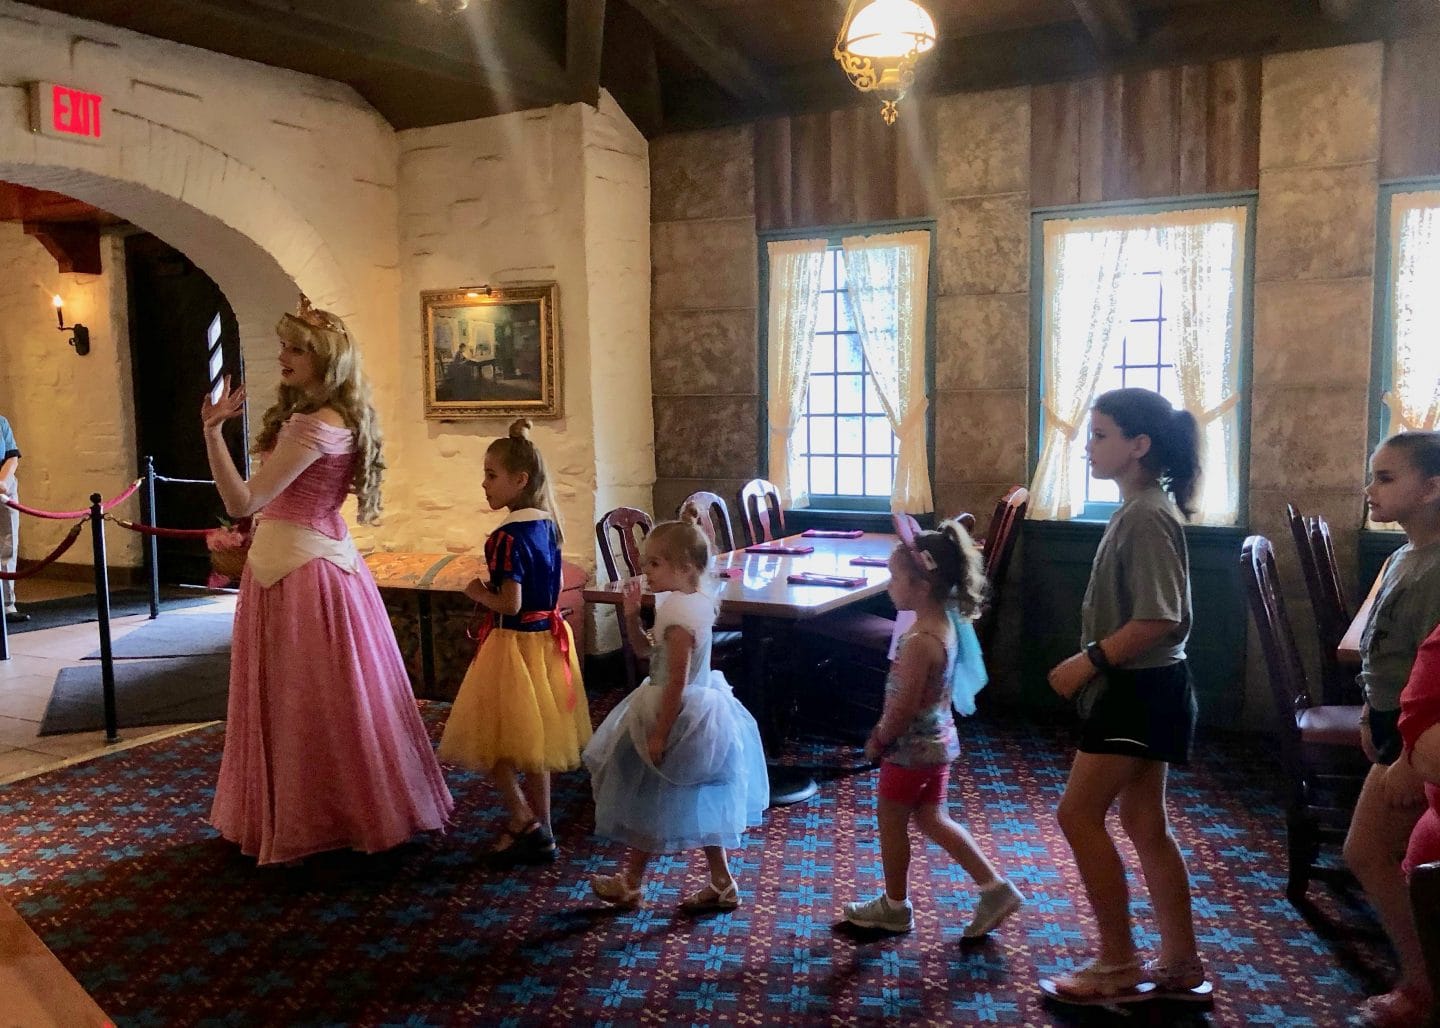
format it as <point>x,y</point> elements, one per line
<point>562,195</point>
<point>270,180</point>
<point>73,417</point>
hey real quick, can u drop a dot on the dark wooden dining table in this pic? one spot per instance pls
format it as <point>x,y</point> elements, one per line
<point>767,604</point>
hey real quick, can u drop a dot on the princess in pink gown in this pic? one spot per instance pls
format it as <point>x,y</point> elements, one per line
<point>324,746</point>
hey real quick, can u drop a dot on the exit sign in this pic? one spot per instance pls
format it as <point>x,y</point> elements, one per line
<point>67,113</point>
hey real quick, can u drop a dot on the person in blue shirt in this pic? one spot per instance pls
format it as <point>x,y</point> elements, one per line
<point>9,517</point>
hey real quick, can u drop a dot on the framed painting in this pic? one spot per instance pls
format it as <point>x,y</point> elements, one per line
<point>491,351</point>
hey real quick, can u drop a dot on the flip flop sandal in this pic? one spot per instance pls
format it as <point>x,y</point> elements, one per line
<point>1098,984</point>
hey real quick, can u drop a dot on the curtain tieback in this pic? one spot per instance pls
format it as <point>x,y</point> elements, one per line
<point>1403,421</point>
<point>1067,429</point>
<point>1222,408</point>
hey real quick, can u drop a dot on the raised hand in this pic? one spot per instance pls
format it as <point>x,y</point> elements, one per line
<point>631,591</point>
<point>228,405</point>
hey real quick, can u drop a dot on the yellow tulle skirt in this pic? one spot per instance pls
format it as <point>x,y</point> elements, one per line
<point>515,706</point>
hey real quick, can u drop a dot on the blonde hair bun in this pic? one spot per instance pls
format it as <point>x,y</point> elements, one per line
<point>689,513</point>
<point>520,428</point>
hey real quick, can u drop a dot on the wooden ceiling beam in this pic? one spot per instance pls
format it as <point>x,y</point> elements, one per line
<point>1341,10</point>
<point>584,46</point>
<point>687,26</point>
<point>1112,23</point>
<point>1187,34</point>
<point>74,245</point>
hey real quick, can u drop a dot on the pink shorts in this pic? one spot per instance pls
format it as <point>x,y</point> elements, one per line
<point>914,786</point>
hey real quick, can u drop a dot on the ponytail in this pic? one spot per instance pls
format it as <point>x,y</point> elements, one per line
<point>1174,455</point>
<point>959,574</point>
<point>516,453</point>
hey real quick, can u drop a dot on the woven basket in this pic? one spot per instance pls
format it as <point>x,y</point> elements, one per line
<point>230,562</point>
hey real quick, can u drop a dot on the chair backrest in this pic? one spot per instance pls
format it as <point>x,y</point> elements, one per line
<point>1000,539</point>
<point>714,519</point>
<point>628,527</point>
<point>760,511</point>
<point>1300,532</point>
<point>1329,572</point>
<point>1288,684</point>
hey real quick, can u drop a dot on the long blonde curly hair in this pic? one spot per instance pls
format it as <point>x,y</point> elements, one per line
<point>344,388</point>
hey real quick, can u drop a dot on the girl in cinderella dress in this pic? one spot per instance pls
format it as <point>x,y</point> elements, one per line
<point>678,763</point>
<point>324,745</point>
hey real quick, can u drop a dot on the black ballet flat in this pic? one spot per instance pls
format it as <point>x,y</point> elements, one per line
<point>532,846</point>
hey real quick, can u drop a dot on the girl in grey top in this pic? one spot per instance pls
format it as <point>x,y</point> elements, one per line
<point>1404,488</point>
<point>1137,700</point>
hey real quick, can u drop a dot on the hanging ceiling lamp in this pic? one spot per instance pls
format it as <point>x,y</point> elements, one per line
<point>880,45</point>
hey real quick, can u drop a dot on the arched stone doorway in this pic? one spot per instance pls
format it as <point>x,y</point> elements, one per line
<point>222,214</point>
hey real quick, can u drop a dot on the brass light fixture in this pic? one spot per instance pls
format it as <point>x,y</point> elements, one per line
<point>880,43</point>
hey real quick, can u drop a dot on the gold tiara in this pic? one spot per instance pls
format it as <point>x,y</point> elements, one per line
<point>315,317</point>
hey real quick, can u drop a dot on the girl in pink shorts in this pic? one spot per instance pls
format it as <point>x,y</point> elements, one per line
<point>940,576</point>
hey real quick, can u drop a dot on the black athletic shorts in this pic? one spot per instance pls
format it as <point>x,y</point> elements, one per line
<point>1149,713</point>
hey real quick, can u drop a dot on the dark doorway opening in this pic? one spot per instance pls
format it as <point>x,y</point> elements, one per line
<point>183,338</point>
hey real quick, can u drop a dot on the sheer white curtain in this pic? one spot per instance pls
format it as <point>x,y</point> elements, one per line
<point>795,266</point>
<point>1204,253</point>
<point>888,280</point>
<point>1414,396</point>
<point>1200,255</point>
<point>1085,264</point>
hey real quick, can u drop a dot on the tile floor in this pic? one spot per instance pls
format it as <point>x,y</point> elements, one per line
<point>28,676</point>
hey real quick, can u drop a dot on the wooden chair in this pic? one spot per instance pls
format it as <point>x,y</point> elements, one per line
<point>1319,745</point>
<point>714,519</point>
<point>999,547</point>
<point>620,533</point>
<point>760,511</point>
<point>1332,615</point>
<point>1425,902</point>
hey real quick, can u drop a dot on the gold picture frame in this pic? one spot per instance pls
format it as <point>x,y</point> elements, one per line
<point>491,352</point>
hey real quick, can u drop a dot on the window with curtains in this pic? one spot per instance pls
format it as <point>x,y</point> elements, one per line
<point>1406,378</point>
<point>847,358</point>
<point>1155,300</point>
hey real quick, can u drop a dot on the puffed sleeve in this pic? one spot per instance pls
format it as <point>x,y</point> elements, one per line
<point>694,612</point>
<point>504,557</point>
<point>314,434</point>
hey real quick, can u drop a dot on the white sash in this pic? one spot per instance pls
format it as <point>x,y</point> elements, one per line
<point>281,546</point>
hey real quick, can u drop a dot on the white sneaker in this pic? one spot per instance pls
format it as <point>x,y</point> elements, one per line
<point>996,904</point>
<point>881,913</point>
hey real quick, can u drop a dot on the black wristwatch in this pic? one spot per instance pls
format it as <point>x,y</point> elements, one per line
<point>1096,653</point>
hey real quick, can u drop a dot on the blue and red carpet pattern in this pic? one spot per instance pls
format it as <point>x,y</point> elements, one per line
<point>113,865</point>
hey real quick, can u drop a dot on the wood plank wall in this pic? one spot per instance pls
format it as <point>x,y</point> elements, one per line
<point>844,167</point>
<point>1410,119</point>
<point>1176,131</point>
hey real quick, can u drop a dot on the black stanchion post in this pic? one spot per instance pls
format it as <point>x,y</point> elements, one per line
<point>152,549</point>
<point>4,626</point>
<point>102,608</point>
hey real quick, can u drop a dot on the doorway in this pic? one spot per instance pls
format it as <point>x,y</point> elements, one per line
<point>183,339</point>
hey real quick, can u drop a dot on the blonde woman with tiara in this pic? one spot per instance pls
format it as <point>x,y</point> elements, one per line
<point>324,746</point>
<point>521,712</point>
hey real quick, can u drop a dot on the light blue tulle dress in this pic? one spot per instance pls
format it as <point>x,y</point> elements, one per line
<point>711,783</point>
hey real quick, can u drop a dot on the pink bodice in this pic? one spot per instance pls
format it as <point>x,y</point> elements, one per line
<point>315,497</point>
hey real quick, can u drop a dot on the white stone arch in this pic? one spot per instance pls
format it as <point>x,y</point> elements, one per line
<point>220,212</point>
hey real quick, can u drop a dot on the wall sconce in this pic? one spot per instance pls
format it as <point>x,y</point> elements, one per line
<point>79,334</point>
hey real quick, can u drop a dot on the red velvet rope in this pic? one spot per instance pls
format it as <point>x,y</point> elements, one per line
<point>66,515</point>
<point>163,533</point>
<point>50,558</point>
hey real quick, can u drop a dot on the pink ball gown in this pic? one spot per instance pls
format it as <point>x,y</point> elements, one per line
<point>324,746</point>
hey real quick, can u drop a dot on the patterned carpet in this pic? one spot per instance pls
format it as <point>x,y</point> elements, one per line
<point>112,864</point>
